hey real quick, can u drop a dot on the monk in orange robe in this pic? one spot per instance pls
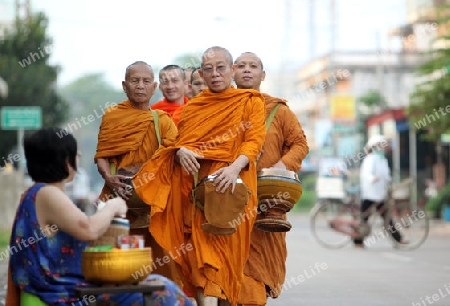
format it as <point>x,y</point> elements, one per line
<point>127,139</point>
<point>221,133</point>
<point>172,83</point>
<point>285,147</point>
<point>196,84</point>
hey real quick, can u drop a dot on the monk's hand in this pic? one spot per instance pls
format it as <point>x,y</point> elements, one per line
<point>118,187</point>
<point>279,165</point>
<point>188,160</point>
<point>226,177</point>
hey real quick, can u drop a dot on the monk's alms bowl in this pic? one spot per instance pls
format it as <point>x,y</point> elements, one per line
<point>134,201</point>
<point>117,266</point>
<point>279,184</point>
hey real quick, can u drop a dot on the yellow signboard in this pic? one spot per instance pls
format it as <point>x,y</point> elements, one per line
<point>342,108</point>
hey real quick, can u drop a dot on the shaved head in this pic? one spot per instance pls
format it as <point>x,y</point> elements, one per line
<point>127,70</point>
<point>249,71</point>
<point>250,53</point>
<point>210,53</point>
<point>172,67</point>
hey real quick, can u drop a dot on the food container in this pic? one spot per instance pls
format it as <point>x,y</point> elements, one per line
<point>123,242</point>
<point>136,242</point>
<point>279,184</point>
<point>119,227</point>
<point>117,266</point>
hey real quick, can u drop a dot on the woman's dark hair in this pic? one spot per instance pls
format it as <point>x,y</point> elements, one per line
<point>47,152</point>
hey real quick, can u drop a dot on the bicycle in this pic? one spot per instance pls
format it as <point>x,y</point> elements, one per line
<point>334,223</point>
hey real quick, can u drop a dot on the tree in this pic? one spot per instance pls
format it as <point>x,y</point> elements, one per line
<point>188,60</point>
<point>369,104</point>
<point>373,100</point>
<point>429,101</point>
<point>25,50</point>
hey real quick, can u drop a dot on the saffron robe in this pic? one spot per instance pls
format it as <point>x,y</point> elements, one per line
<point>219,126</point>
<point>168,107</point>
<point>266,264</point>
<point>127,137</point>
<point>177,114</point>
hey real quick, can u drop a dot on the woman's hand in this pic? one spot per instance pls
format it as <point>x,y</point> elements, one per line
<point>120,207</point>
<point>188,160</point>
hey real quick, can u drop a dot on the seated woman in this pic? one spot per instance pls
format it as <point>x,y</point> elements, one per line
<point>50,233</point>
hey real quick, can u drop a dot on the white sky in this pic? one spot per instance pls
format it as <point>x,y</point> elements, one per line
<point>106,36</point>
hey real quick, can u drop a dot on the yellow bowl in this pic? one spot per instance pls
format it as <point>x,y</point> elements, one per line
<point>117,266</point>
<point>279,184</point>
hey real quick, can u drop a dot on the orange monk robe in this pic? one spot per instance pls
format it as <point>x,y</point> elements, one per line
<point>220,126</point>
<point>176,116</point>
<point>266,264</point>
<point>168,107</point>
<point>127,137</point>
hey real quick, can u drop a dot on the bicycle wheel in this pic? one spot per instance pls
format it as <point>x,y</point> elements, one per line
<point>325,219</point>
<point>412,225</point>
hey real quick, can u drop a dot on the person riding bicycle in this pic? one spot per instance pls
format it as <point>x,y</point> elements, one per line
<point>375,178</point>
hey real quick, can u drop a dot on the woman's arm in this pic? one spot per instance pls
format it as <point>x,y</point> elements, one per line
<point>53,207</point>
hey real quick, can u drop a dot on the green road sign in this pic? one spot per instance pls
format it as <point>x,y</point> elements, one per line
<point>23,117</point>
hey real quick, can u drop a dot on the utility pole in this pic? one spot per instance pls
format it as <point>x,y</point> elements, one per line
<point>23,9</point>
<point>3,88</point>
<point>312,30</point>
<point>283,76</point>
<point>331,68</point>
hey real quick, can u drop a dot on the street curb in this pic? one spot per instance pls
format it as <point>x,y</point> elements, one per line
<point>440,228</point>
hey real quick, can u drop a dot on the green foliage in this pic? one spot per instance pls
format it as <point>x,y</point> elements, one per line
<point>308,198</point>
<point>188,60</point>
<point>4,238</point>
<point>438,202</point>
<point>373,98</point>
<point>30,83</point>
<point>433,95</point>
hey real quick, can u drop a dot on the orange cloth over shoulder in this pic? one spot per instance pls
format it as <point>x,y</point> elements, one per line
<point>168,107</point>
<point>219,126</point>
<point>176,116</point>
<point>127,136</point>
<point>266,264</point>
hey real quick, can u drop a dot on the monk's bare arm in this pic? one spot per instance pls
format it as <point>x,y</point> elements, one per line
<point>103,167</point>
<point>240,163</point>
<point>295,139</point>
<point>114,182</point>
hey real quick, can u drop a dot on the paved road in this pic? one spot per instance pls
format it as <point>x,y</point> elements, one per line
<point>377,275</point>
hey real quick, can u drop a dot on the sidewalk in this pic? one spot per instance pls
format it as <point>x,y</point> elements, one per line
<point>439,227</point>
